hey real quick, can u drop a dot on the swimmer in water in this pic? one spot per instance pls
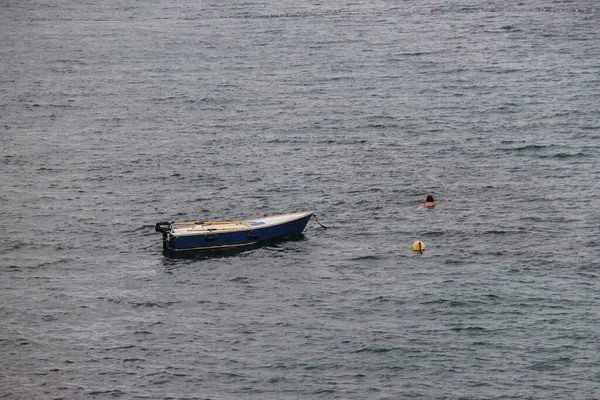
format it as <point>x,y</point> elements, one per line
<point>429,202</point>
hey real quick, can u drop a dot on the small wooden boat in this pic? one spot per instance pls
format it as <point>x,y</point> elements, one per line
<point>211,235</point>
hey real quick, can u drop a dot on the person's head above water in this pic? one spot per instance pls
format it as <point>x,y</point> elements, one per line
<point>430,199</point>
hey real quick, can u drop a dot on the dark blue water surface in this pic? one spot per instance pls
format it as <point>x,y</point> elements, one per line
<point>115,116</point>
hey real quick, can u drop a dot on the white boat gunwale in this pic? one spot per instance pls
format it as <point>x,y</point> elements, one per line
<point>194,228</point>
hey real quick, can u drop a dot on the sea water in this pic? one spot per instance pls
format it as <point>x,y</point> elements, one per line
<point>115,116</point>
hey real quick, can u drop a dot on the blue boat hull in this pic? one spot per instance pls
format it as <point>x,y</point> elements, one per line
<point>239,238</point>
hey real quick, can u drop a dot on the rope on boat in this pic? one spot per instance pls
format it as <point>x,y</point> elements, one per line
<point>322,226</point>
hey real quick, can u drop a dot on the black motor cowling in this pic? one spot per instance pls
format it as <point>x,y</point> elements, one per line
<point>162,226</point>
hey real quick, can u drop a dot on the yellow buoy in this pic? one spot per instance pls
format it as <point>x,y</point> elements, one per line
<point>418,246</point>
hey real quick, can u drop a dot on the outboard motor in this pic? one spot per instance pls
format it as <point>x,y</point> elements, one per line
<point>162,226</point>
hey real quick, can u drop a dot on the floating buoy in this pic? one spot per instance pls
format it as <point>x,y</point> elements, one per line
<point>418,246</point>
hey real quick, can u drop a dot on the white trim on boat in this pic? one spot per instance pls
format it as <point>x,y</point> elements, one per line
<point>192,228</point>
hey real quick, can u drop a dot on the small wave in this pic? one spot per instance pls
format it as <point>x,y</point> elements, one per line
<point>449,303</point>
<point>227,374</point>
<point>551,365</point>
<point>543,151</point>
<point>343,141</point>
<point>565,155</point>
<point>433,233</point>
<point>453,71</point>
<point>376,350</point>
<point>468,329</point>
<point>384,299</point>
<point>276,379</point>
<point>158,304</point>
<point>529,147</point>
<point>111,393</point>
<point>590,127</point>
<point>512,141</point>
<point>453,261</point>
<point>378,299</point>
<point>130,346</point>
<point>243,279</point>
<point>499,232</point>
<point>378,126</point>
<point>509,71</point>
<point>324,391</point>
<point>337,78</point>
<point>321,367</point>
<point>109,300</point>
<point>418,53</point>
<point>365,258</point>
